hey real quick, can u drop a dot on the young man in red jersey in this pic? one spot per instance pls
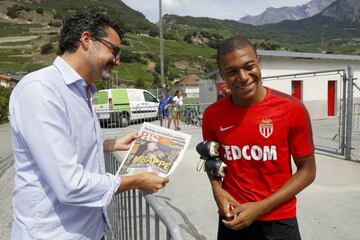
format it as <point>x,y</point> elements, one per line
<point>258,129</point>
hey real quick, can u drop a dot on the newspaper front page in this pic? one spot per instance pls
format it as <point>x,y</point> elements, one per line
<point>158,149</point>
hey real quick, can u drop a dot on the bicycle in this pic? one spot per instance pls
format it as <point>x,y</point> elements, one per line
<point>191,115</point>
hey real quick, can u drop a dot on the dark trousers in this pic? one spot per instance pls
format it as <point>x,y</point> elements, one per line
<point>287,229</point>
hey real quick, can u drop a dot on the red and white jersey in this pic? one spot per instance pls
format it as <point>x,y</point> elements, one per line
<point>256,144</point>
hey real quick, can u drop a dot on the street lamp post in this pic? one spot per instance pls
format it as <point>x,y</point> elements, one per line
<point>161,47</point>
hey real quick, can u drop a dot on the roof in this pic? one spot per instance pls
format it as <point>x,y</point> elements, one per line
<point>7,78</point>
<point>298,55</point>
<point>11,77</point>
<point>304,55</point>
<point>188,80</point>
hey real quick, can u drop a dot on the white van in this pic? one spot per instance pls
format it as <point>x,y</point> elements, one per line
<point>123,105</point>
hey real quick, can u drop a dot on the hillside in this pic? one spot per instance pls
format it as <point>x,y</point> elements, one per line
<point>335,30</point>
<point>29,33</point>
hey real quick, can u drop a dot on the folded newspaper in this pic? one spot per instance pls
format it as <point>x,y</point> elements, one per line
<point>158,149</point>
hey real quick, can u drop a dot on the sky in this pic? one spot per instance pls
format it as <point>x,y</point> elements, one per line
<point>221,9</point>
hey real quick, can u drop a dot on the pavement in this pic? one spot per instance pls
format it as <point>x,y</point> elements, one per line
<point>327,209</point>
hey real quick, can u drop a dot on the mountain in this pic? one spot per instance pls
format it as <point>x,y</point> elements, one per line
<point>344,10</point>
<point>275,15</point>
<point>336,29</point>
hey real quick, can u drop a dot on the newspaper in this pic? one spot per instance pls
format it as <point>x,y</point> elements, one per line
<point>158,149</point>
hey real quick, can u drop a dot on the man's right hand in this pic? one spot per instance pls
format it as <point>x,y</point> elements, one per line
<point>151,182</point>
<point>148,181</point>
<point>225,202</point>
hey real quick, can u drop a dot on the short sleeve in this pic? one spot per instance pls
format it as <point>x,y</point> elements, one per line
<point>300,133</point>
<point>207,129</point>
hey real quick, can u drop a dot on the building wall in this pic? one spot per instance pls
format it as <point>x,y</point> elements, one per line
<point>314,88</point>
<point>192,91</point>
<point>207,94</point>
<point>7,83</point>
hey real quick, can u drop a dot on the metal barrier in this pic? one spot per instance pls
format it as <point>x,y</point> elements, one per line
<point>137,215</point>
<point>356,117</point>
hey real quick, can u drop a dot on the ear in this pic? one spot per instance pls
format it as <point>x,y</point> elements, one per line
<point>221,73</point>
<point>259,59</point>
<point>85,40</point>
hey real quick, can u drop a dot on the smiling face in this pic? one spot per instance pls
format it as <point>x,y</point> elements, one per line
<point>240,69</point>
<point>103,55</point>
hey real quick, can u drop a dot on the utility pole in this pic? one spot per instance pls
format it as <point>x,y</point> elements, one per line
<point>161,48</point>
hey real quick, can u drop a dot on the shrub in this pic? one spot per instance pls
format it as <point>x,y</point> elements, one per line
<point>14,11</point>
<point>39,10</point>
<point>47,48</point>
<point>153,33</point>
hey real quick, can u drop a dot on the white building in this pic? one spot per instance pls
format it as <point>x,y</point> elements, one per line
<point>321,92</point>
<point>189,85</point>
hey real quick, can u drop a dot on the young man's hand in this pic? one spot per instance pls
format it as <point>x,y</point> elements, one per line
<point>225,202</point>
<point>244,215</point>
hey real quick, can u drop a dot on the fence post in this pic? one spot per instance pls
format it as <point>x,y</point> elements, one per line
<point>343,116</point>
<point>349,114</point>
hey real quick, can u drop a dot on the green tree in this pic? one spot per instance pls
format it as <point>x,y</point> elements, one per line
<point>100,85</point>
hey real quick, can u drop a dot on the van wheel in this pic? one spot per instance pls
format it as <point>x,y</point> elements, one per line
<point>124,120</point>
<point>103,123</point>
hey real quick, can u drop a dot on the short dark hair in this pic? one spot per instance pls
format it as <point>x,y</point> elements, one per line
<point>92,21</point>
<point>232,44</point>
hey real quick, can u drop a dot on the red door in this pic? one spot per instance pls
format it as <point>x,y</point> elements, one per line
<point>296,89</point>
<point>331,98</point>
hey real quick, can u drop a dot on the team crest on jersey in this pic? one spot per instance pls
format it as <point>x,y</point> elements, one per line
<point>266,127</point>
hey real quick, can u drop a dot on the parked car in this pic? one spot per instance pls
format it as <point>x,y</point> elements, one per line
<point>124,105</point>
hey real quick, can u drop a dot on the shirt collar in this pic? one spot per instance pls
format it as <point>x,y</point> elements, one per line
<point>70,76</point>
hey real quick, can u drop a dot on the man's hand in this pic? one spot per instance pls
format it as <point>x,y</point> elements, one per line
<point>225,202</point>
<point>152,182</point>
<point>120,144</point>
<point>244,215</point>
<point>148,181</point>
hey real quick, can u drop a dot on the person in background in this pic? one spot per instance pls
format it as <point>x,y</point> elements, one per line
<point>61,188</point>
<point>164,99</point>
<point>172,113</point>
<point>259,129</point>
<point>178,103</point>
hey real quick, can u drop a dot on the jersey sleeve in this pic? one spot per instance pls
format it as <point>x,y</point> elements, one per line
<point>207,129</point>
<point>300,134</point>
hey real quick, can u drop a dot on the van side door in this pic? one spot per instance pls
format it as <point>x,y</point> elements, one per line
<point>152,105</point>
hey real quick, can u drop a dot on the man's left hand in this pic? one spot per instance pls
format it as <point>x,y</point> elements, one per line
<point>120,144</point>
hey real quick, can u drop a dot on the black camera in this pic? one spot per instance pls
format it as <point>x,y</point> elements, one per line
<point>209,151</point>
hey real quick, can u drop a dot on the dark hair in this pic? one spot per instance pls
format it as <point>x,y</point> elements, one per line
<point>93,21</point>
<point>232,44</point>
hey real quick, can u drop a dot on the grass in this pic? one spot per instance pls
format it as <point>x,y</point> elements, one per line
<point>11,60</point>
<point>171,47</point>
<point>132,72</point>
<point>14,29</point>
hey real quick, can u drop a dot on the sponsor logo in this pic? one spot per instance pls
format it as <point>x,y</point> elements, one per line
<point>223,129</point>
<point>266,127</point>
<point>248,152</point>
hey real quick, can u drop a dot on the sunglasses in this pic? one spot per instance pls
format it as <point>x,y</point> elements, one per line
<point>115,49</point>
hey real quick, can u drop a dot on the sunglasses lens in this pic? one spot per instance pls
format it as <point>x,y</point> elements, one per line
<point>117,53</point>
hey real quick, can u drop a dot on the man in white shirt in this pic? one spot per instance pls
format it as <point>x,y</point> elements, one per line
<point>61,187</point>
